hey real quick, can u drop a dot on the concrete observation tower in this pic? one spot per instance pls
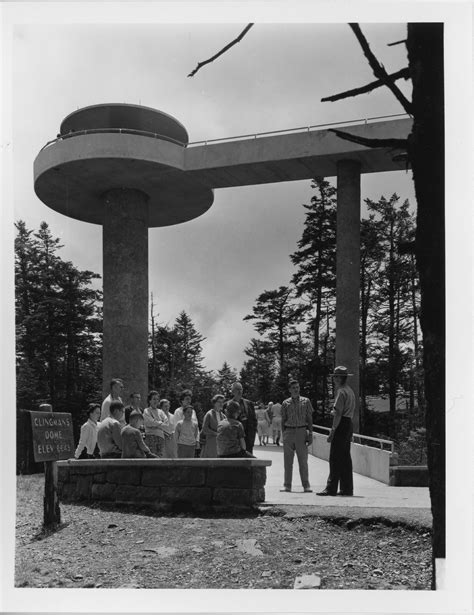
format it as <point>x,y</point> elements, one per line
<point>129,167</point>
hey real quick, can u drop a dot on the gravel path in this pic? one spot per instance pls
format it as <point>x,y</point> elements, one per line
<point>100,547</point>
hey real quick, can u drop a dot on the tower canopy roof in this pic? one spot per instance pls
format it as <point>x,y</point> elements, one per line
<point>125,116</point>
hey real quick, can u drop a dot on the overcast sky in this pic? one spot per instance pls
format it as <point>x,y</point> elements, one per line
<point>215,266</point>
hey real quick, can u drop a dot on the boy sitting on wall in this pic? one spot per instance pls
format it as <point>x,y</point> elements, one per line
<point>133,446</point>
<point>230,434</point>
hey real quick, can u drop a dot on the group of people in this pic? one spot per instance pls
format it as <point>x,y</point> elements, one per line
<point>229,429</point>
<point>113,430</point>
<point>268,423</point>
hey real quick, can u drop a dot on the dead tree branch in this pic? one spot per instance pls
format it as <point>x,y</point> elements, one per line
<point>401,74</point>
<point>393,143</point>
<point>222,51</point>
<point>378,69</point>
<point>397,43</point>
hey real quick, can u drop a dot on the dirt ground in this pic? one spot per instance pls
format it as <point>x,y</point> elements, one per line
<point>114,548</point>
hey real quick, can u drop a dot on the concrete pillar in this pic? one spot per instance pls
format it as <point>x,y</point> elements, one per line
<point>348,273</point>
<point>125,266</point>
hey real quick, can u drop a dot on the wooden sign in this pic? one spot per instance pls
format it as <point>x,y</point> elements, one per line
<point>52,435</point>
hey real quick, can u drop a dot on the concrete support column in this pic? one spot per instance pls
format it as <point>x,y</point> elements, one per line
<point>348,272</point>
<point>125,254</point>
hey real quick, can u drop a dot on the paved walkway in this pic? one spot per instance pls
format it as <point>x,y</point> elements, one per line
<point>368,493</point>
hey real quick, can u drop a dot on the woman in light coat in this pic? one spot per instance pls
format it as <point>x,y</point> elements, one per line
<point>155,422</point>
<point>209,426</point>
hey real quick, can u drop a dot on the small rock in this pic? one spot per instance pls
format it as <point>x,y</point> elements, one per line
<point>248,546</point>
<point>112,525</point>
<point>377,572</point>
<point>297,561</point>
<point>198,550</point>
<point>166,551</point>
<point>78,576</point>
<point>234,571</point>
<point>139,542</point>
<point>307,581</point>
<point>266,573</point>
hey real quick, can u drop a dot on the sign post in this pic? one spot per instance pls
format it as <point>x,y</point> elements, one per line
<point>52,440</point>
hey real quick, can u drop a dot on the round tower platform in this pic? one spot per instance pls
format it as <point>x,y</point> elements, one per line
<point>121,166</point>
<point>108,147</point>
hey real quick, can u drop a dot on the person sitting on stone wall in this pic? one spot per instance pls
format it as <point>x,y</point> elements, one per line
<point>109,437</point>
<point>133,446</point>
<point>230,434</point>
<point>88,438</point>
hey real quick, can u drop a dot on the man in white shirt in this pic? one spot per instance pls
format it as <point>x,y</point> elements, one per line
<point>116,388</point>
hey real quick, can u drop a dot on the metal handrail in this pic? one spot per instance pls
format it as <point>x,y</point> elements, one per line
<point>129,131</point>
<point>299,129</point>
<point>256,135</point>
<point>359,436</point>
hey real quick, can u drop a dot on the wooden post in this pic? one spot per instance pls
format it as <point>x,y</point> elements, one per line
<point>51,510</point>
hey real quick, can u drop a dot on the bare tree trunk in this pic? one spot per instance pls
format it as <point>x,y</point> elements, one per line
<point>426,153</point>
<point>153,345</point>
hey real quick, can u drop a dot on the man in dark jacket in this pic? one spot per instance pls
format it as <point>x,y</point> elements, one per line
<point>247,415</point>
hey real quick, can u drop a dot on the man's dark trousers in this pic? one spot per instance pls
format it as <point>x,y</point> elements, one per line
<point>340,462</point>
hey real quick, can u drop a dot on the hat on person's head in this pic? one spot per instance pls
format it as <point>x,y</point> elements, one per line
<point>340,370</point>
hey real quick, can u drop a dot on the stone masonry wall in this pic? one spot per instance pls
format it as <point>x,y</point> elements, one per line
<point>167,485</point>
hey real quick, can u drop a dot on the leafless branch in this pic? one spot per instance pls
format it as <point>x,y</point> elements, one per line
<point>222,51</point>
<point>378,69</point>
<point>397,43</point>
<point>393,143</point>
<point>401,74</point>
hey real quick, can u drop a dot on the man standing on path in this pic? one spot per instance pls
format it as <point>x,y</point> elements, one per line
<point>297,427</point>
<point>116,388</point>
<point>340,462</point>
<point>247,415</point>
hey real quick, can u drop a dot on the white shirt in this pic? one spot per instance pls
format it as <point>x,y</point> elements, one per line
<point>179,415</point>
<point>88,438</point>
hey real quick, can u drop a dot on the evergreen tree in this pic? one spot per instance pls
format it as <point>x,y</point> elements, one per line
<point>276,315</point>
<point>315,276</point>
<point>58,325</point>
<point>258,371</point>
<point>226,376</point>
<point>371,256</point>
<point>392,304</point>
<point>189,349</point>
